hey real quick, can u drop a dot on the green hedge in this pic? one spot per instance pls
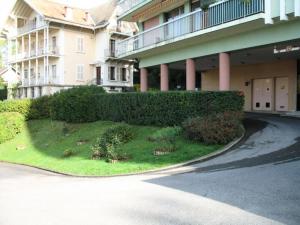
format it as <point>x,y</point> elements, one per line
<point>30,109</point>
<point>84,104</point>
<point>11,123</point>
<point>152,108</point>
<point>40,108</point>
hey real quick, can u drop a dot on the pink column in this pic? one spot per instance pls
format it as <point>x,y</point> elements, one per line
<point>144,80</point>
<point>190,75</point>
<point>164,77</point>
<point>224,73</point>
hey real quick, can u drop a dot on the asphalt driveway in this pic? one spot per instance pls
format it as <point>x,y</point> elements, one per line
<point>256,183</point>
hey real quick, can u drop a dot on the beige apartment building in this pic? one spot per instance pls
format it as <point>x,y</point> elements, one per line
<point>55,46</point>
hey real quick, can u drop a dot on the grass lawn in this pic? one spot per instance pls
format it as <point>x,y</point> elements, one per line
<point>43,142</point>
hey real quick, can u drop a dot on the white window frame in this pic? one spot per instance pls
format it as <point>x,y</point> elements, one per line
<point>79,72</point>
<point>80,44</point>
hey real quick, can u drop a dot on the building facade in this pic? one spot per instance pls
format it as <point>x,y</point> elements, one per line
<point>248,45</point>
<point>55,47</point>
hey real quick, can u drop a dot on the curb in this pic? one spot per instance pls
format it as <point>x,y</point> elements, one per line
<point>225,149</point>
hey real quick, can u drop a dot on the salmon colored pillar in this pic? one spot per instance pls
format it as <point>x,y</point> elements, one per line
<point>190,75</point>
<point>164,77</point>
<point>144,80</point>
<point>224,73</point>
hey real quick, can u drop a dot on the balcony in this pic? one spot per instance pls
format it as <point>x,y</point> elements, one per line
<point>53,51</point>
<point>110,53</point>
<point>126,5</point>
<point>31,25</point>
<point>217,14</point>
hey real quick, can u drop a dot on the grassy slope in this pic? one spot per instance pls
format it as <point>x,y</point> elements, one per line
<point>44,144</point>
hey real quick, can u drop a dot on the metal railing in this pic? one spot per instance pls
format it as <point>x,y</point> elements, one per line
<point>126,5</point>
<point>31,25</point>
<point>53,51</point>
<point>40,80</point>
<point>217,14</point>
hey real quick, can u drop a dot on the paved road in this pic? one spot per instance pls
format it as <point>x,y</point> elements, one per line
<point>256,183</point>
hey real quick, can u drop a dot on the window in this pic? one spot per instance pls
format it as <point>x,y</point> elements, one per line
<point>123,74</point>
<point>112,73</point>
<point>32,73</point>
<point>54,41</point>
<point>25,73</point>
<point>80,72</point>
<point>25,92</point>
<point>80,44</point>
<point>112,47</point>
<point>32,92</point>
<point>53,71</point>
<point>195,5</point>
<point>40,91</point>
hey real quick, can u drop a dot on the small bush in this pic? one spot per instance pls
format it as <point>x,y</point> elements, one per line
<point>214,129</point>
<point>165,139</point>
<point>108,145</point>
<point>68,153</point>
<point>114,151</point>
<point>11,124</point>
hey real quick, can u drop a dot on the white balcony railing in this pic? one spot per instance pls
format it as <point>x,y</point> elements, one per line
<point>53,51</point>
<point>126,5</point>
<point>217,14</point>
<point>31,25</point>
<point>40,80</point>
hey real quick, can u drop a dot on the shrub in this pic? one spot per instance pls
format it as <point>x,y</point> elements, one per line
<point>165,139</point>
<point>214,129</point>
<point>76,104</point>
<point>108,145</point>
<point>31,109</point>
<point>68,153</point>
<point>11,124</point>
<point>151,108</point>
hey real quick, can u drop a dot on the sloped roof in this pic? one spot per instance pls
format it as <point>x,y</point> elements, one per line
<point>56,10</point>
<point>102,13</point>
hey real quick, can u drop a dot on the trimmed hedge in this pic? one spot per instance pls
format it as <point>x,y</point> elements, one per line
<point>85,104</point>
<point>30,109</point>
<point>152,108</point>
<point>11,123</point>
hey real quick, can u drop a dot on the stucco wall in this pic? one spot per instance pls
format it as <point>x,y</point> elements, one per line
<point>72,57</point>
<point>246,73</point>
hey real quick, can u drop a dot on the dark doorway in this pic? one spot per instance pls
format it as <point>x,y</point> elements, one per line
<point>98,75</point>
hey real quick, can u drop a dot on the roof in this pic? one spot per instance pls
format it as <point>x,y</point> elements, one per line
<point>103,12</point>
<point>55,10</point>
<point>3,70</point>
